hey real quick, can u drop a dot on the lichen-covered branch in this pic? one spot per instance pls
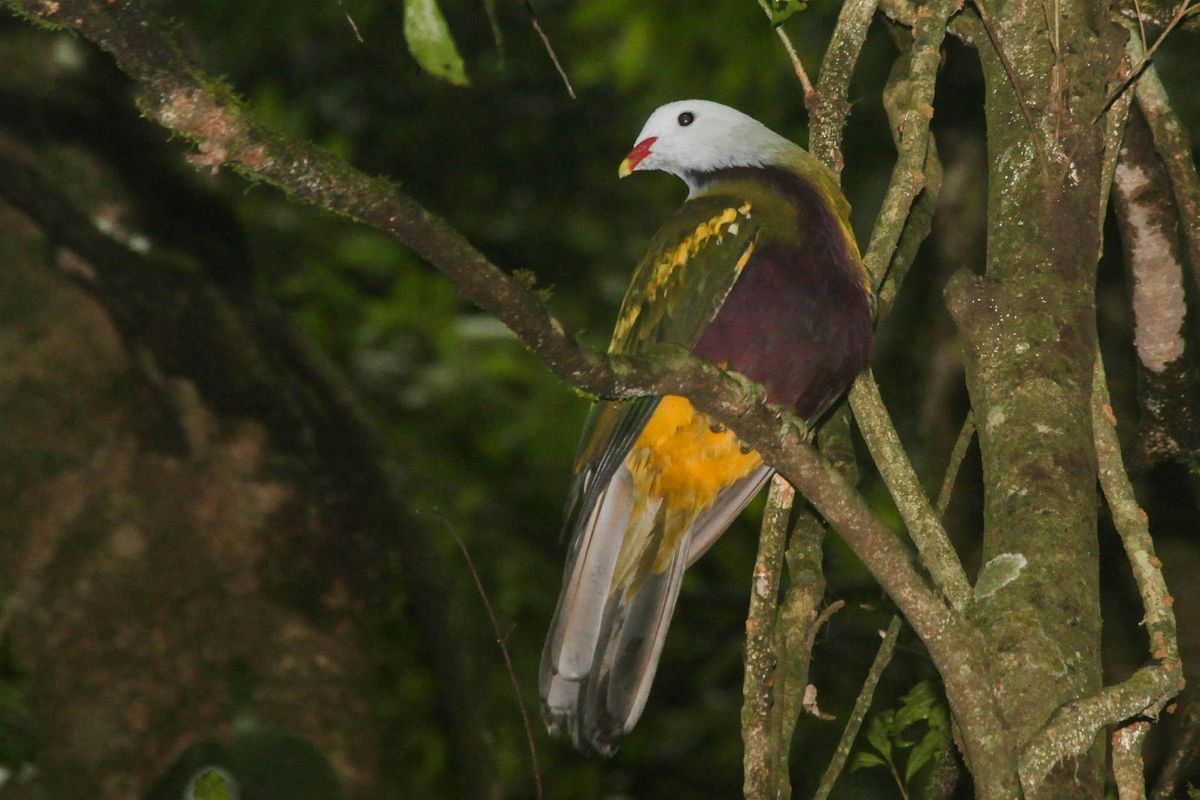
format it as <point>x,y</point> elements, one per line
<point>1127,767</point>
<point>1183,749</point>
<point>1133,525</point>
<point>764,770</point>
<point>924,525</point>
<point>800,617</point>
<point>908,179</point>
<point>911,82</point>
<point>832,105</point>
<point>1072,729</point>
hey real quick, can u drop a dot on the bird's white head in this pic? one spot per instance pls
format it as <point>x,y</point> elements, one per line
<point>693,138</point>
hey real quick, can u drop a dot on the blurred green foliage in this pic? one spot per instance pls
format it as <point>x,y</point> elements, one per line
<point>907,739</point>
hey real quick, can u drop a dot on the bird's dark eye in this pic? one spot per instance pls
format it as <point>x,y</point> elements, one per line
<point>686,118</point>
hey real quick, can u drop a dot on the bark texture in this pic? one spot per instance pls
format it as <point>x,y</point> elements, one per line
<point>1030,339</point>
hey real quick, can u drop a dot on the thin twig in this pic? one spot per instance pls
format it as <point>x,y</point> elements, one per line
<point>965,434</point>
<point>1034,131</point>
<point>1184,8</point>
<point>537,27</point>
<point>861,706</point>
<point>1137,7</point>
<point>350,19</point>
<point>502,641</point>
<point>1133,526</point>
<point>797,65</point>
<point>794,57</point>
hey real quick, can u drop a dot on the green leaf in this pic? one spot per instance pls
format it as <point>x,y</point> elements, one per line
<point>918,705</point>
<point>782,10</point>
<point>430,42</point>
<point>877,735</point>
<point>211,784</point>
<point>930,747</point>
<point>865,760</point>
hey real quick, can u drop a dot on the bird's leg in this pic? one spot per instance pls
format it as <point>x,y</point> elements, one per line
<point>788,421</point>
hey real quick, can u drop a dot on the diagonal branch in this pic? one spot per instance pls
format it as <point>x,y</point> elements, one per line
<point>831,105</point>
<point>909,97</point>
<point>882,658</point>
<point>924,525</point>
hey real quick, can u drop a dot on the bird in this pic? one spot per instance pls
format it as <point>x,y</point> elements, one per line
<point>757,272</point>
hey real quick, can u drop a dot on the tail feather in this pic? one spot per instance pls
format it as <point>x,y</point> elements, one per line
<point>589,574</point>
<point>605,641</point>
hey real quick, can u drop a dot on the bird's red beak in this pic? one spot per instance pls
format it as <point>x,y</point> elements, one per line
<point>636,156</point>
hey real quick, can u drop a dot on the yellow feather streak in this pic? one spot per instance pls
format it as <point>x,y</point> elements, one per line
<point>670,263</point>
<point>679,465</point>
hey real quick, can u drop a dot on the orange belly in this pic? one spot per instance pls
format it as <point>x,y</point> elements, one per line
<point>679,464</point>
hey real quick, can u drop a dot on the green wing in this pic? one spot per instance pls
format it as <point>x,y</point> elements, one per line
<point>689,268</point>
<point>691,264</point>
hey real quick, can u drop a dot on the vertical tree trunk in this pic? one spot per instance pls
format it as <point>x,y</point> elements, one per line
<point>1029,326</point>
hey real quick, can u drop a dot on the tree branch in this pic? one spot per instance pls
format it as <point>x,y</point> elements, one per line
<point>909,91</point>
<point>965,434</point>
<point>1127,767</point>
<point>908,178</point>
<point>1183,748</point>
<point>924,525</point>
<point>1133,525</point>
<point>794,57</point>
<point>827,115</point>
<point>765,770</point>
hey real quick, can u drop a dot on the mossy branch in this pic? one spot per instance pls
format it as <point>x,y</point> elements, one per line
<point>1072,729</point>
<point>1128,770</point>
<point>766,773</point>
<point>832,104</point>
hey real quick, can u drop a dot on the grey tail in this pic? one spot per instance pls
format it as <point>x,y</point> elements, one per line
<point>605,641</point>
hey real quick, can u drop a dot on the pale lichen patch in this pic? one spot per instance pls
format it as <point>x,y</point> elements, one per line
<point>1158,295</point>
<point>998,573</point>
